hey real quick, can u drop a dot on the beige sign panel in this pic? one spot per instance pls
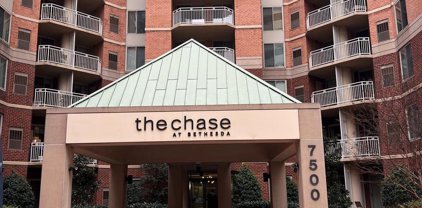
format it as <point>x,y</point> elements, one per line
<point>182,126</point>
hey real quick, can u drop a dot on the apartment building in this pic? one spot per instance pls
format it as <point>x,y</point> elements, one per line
<point>345,55</point>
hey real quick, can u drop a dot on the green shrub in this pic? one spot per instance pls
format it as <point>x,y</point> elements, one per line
<point>412,204</point>
<point>252,204</point>
<point>17,192</point>
<point>292,194</point>
<point>397,189</point>
<point>85,183</point>
<point>147,205</point>
<point>245,187</point>
<point>5,206</point>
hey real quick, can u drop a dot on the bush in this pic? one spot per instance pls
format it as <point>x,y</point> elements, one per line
<point>252,204</point>
<point>5,206</point>
<point>17,192</point>
<point>245,187</point>
<point>397,189</point>
<point>84,183</point>
<point>88,206</point>
<point>154,184</point>
<point>147,205</point>
<point>412,204</point>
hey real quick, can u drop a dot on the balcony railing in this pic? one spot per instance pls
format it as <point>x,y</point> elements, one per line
<point>36,152</point>
<point>203,15</point>
<point>66,57</point>
<point>360,147</point>
<point>71,17</point>
<point>45,97</point>
<point>225,52</point>
<point>358,91</point>
<point>334,11</point>
<point>340,51</point>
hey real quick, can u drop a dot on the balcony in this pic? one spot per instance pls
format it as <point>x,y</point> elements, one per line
<point>334,12</point>
<point>45,97</point>
<point>341,52</point>
<point>202,16</point>
<point>68,58</point>
<point>63,15</point>
<point>358,91</point>
<point>360,147</point>
<point>36,152</point>
<point>225,52</point>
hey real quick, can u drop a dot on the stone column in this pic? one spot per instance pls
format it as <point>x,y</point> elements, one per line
<point>117,194</point>
<point>278,185</point>
<point>224,186</point>
<point>175,193</point>
<point>56,178</point>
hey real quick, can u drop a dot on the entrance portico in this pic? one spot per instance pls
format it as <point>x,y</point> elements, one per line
<point>249,121</point>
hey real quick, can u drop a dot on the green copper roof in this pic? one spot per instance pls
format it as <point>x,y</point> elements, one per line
<point>190,74</point>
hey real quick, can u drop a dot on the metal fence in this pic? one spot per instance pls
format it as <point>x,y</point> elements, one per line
<point>45,97</point>
<point>203,15</point>
<point>360,147</point>
<point>225,52</point>
<point>36,152</point>
<point>357,91</point>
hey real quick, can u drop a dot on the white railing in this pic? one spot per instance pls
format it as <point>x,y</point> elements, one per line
<point>343,50</point>
<point>334,11</point>
<point>71,17</point>
<point>45,97</point>
<point>225,52</point>
<point>203,15</point>
<point>360,147</point>
<point>63,56</point>
<point>36,152</point>
<point>358,91</point>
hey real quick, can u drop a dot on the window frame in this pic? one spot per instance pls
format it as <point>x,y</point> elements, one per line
<point>387,32</point>
<point>23,30</point>
<point>14,83</point>
<point>303,95</point>
<point>117,60</point>
<point>7,40</point>
<point>291,20</point>
<point>27,1</point>
<point>418,117</point>
<point>136,22</point>
<point>274,55</point>
<point>392,74</point>
<point>404,79</point>
<point>293,56</point>
<point>398,2</point>
<point>136,55</point>
<point>272,19</point>
<point>278,80</point>
<point>108,196</point>
<point>5,73</point>
<point>21,139</point>
<point>117,26</point>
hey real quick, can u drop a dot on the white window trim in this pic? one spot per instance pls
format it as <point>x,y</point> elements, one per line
<point>395,18</point>
<point>401,65</point>
<point>14,83</point>
<point>8,139</point>
<point>127,22</point>
<point>382,76</point>
<point>408,126</point>
<point>381,22</point>
<point>297,87</point>
<point>118,21</point>
<point>284,56</point>
<point>5,74</point>
<point>117,62</point>
<point>279,80</point>
<point>7,42</point>
<point>272,20</point>
<point>298,19</point>
<point>1,124</point>
<point>293,58</point>
<point>145,60</point>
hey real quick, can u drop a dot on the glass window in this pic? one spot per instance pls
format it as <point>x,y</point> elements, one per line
<point>27,3</point>
<point>294,20</point>
<point>273,18</point>
<point>15,138</point>
<point>401,15</point>
<point>279,84</point>
<point>20,84</point>
<point>3,70</point>
<point>297,57</point>
<point>300,94</point>
<point>387,73</point>
<point>274,55</point>
<point>413,122</point>
<point>114,24</point>
<point>112,60</point>
<point>135,57</point>
<point>105,197</point>
<point>406,62</point>
<point>383,32</point>
<point>4,25</point>
<point>24,38</point>
<point>136,22</point>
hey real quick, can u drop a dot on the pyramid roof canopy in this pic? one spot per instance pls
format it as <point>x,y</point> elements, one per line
<point>190,74</point>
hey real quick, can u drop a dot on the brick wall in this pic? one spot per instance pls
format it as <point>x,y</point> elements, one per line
<point>120,50</point>
<point>8,95</point>
<point>121,14</point>
<point>157,43</point>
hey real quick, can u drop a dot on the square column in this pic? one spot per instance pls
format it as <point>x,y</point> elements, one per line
<point>312,185</point>
<point>278,185</point>
<point>175,186</point>
<point>224,186</point>
<point>118,173</point>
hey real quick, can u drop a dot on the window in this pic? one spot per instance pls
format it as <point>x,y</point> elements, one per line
<point>105,197</point>
<point>135,57</point>
<point>393,132</point>
<point>273,18</point>
<point>274,55</point>
<point>3,70</point>
<point>383,32</point>
<point>413,122</point>
<point>114,24</point>
<point>112,60</point>
<point>401,15</point>
<point>387,73</point>
<point>406,62</point>
<point>300,93</point>
<point>136,22</point>
<point>294,20</point>
<point>4,25</point>
<point>24,38</point>
<point>279,84</point>
<point>20,85</point>
<point>297,57</point>
<point>27,3</point>
<point>15,138</point>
